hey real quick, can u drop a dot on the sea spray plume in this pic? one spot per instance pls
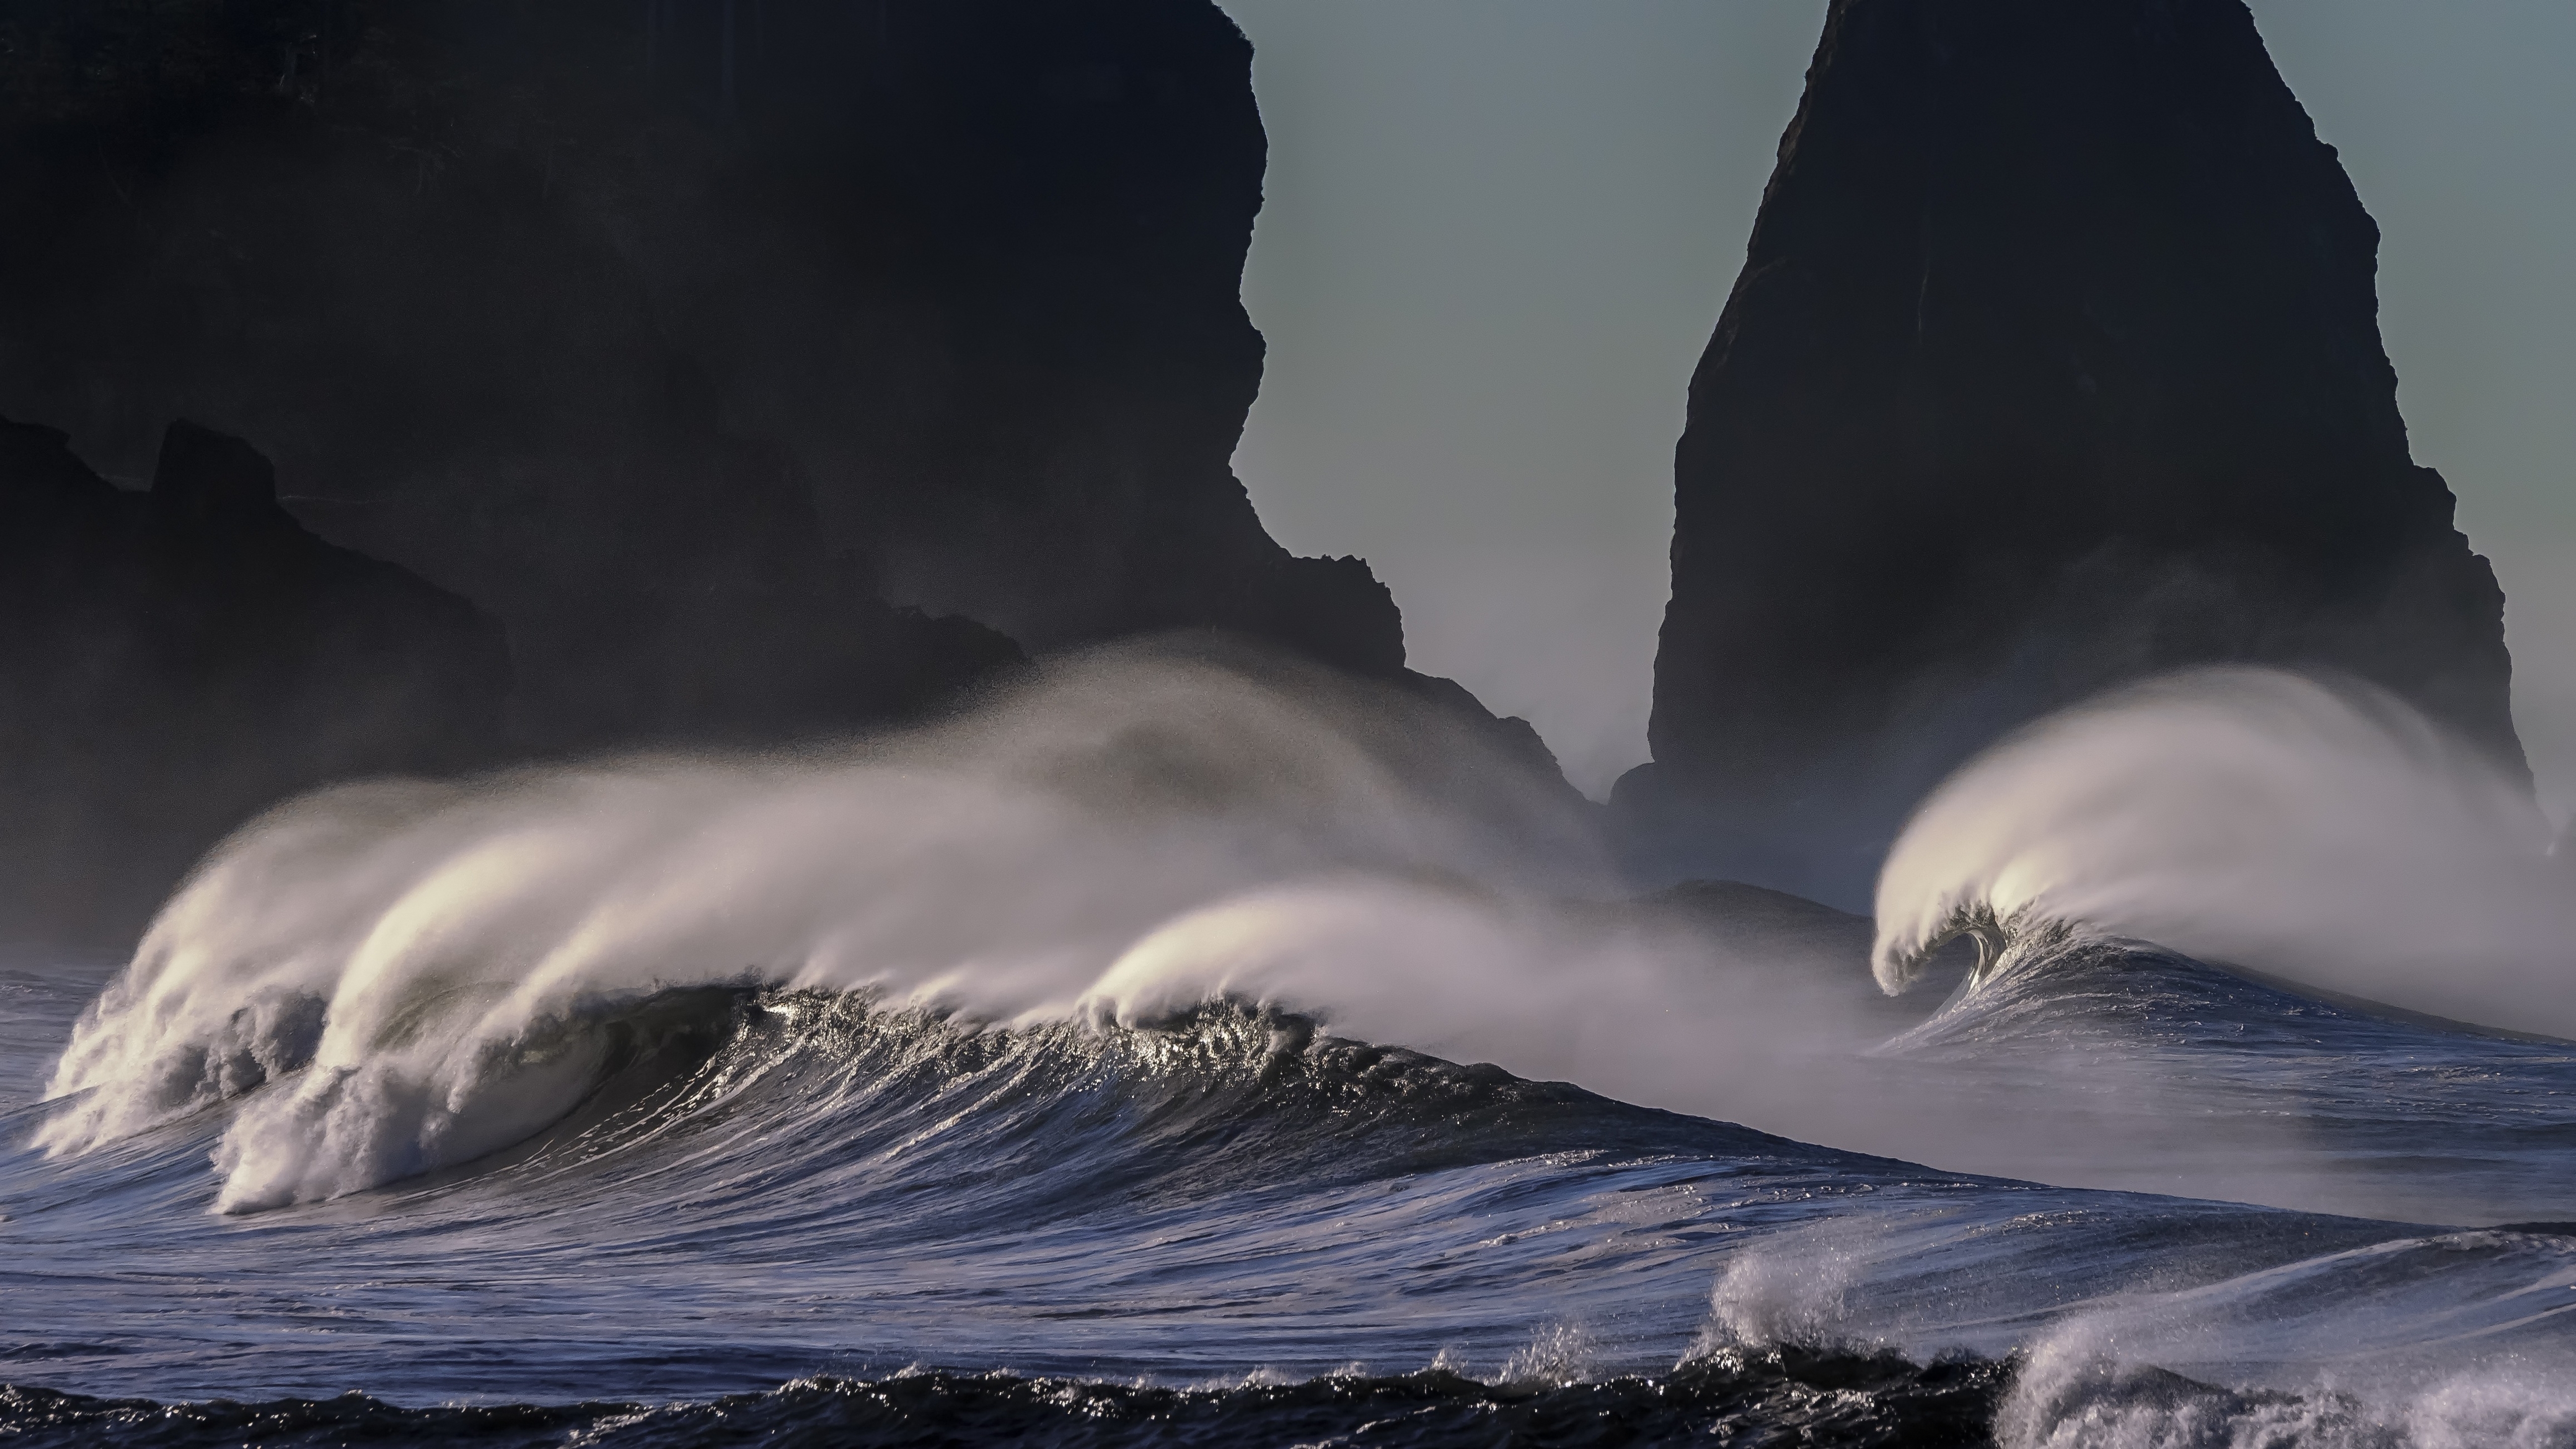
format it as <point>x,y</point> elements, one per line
<point>1132,836</point>
<point>395,979</point>
<point>2320,830</point>
<point>438,960</point>
<point>2102,244</point>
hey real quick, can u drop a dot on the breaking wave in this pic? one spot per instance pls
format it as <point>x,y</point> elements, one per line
<point>2318,830</point>
<point>444,970</point>
<point>1175,1053</point>
<point>395,979</point>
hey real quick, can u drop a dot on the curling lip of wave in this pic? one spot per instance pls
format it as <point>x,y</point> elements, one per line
<point>1993,936</point>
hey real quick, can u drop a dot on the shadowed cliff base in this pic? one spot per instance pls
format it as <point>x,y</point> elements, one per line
<point>2054,362</point>
<point>180,658</point>
<point>574,309</point>
<point>761,371</point>
<point>189,656</point>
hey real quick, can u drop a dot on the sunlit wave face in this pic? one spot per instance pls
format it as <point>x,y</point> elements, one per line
<point>1141,829</point>
<point>2327,833</point>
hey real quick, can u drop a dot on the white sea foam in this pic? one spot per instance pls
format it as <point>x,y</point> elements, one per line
<point>2123,1342</point>
<point>2077,1389</point>
<point>1127,837</point>
<point>2321,831</point>
<point>394,978</point>
<point>1796,1288</point>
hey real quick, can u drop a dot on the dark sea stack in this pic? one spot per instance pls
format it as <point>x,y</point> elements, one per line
<point>647,325</point>
<point>177,660</point>
<point>2055,361</point>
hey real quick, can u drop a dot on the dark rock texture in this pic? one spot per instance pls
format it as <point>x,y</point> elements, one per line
<point>174,661</point>
<point>2055,361</point>
<point>630,321</point>
<point>765,367</point>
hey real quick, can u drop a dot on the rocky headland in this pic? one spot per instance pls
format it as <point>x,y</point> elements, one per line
<point>2054,362</point>
<point>755,369</point>
<point>180,657</point>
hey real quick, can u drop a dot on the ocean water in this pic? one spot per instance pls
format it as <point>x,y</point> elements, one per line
<point>1153,1059</point>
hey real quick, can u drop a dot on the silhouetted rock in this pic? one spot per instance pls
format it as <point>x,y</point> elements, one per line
<point>681,337</point>
<point>2055,361</point>
<point>608,316</point>
<point>1507,736</point>
<point>173,662</point>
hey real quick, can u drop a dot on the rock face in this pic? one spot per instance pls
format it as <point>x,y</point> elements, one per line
<point>765,367</point>
<point>656,327</point>
<point>176,660</point>
<point>2055,361</point>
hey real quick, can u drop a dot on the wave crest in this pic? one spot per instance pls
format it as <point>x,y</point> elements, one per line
<point>2320,830</point>
<point>444,969</point>
<point>1898,963</point>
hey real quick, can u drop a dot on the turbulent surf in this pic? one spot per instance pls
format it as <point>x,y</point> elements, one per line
<point>1173,1054</point>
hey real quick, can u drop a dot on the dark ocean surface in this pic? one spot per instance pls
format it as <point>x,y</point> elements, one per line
<point>1100,1070</point>
<point>797,1216</point>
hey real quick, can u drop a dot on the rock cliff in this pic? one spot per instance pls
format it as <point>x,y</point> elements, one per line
<point>175,660</point>
<point>626,320</point>
<point>2054,361</point>
<point>764,367</point>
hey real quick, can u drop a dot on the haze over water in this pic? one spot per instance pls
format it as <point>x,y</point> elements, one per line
<point>1079,1038</point>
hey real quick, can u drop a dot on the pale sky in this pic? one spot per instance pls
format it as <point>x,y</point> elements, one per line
<point>1498,233</point>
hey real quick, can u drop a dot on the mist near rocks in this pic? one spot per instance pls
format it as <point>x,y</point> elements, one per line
<point>940,923</point>
<point>2455,131</point>
<point>387,980</point>
<point>423,974</point>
